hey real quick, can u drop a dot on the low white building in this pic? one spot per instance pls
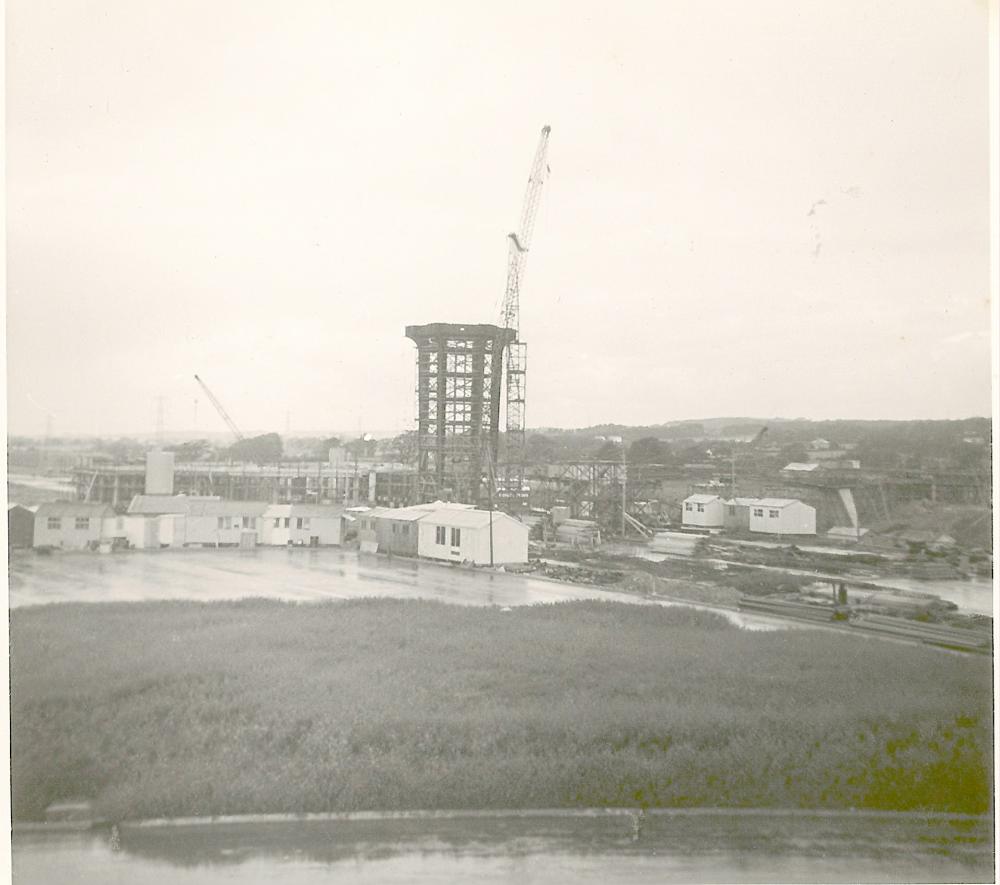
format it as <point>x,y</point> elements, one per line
<point>309,525</point>
<point>218,524</point>
<point>141,532</point>
<point>466,535</point>
<point>705,511</point>
<point>781,516</point>
<point>71,525</point>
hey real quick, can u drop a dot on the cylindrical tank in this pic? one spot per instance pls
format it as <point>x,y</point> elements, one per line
<point>159,473</point>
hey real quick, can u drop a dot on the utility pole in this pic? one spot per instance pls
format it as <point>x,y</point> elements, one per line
<point>624,486</point>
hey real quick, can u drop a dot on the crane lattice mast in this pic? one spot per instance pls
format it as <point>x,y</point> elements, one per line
<point>518,246</point>
<point>218,407</point>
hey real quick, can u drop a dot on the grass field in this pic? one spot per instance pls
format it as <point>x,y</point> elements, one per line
<point>183,708</point>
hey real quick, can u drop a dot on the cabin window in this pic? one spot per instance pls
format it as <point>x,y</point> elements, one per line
<point>774,514</point>
<point>82,523</point>
<point>277,523</point>
<point>701,508</point>
<point>732,510</point>
<point>54,523</point>
<point>439,535</point>
<point>395,526</point>
<point>758,511</point>
<point>288,521</point>
<point>687,506</point>
<point>456,537</point>
<point>225,522</point>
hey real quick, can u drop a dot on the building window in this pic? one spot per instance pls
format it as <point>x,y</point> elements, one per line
<point>687,506</point>
<point>225,522</point>
<point>456,537</point>
<point>394,527</point>
<point>82,523</point>
<point>774,514</point>
<point>54,523</point>
<point>439,535</point>
<point>288,521</point>
<point>758,511</point>
<point>701,508</point>
<point>277,523</point>
<point>732,510</point>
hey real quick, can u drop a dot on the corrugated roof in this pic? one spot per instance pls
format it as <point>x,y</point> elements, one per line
<point>73,508</point>
<point>153,505</point>
<point>776,503</point>
<point>402,514</point>
<point>227,508</point>
<point>799,465</point>
<point>319,510</point>
<point>468,518</point>
<point>329,511</point>
<point>701,499</point>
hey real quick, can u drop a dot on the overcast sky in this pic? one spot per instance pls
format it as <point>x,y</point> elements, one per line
<point>755,208</point>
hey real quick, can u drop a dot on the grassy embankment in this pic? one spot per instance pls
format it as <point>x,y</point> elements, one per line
<point>258,706</point>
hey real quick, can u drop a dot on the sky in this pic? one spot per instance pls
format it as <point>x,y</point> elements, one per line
<point>776,209</point>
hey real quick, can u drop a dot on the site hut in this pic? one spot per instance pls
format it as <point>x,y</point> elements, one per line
<point>71,525</point>
<point>737,515</point>
<point>366,526</point>
<point>223,523</point>
<point>153,521</point>
<point>396,530</point>
<point>782,516</point>
<point>303,525</point>
<point>705,511</point>
<point>471,535</point>
<point>20,526</point>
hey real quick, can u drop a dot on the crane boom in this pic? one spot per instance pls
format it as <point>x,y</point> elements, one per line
<point>222,412</point>
<point>519,242</point>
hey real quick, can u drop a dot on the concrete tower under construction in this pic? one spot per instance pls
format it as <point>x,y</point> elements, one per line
<point>459,387</point>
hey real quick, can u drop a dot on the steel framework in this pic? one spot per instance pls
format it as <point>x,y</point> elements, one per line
<point>459,379</point>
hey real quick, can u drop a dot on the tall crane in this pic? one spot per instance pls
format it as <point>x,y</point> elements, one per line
<point>518,245</point>
<point>218,407</point>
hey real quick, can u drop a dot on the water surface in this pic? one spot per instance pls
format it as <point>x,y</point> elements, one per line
<point>696,847</point>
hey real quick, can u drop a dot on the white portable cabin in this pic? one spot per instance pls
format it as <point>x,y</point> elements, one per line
<point>782,516</point>
<point>457,535</point>
<point>302,525</point>
<point>71,525</point>
<point>223,523</point>
<point>705,511</point>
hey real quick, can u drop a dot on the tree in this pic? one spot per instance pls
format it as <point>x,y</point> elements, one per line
<point>649,450</point>
<point>262,449</point>
<point>609,452</point>
<point>539,449</point>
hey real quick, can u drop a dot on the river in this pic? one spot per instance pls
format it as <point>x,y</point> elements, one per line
<point>679,846</point>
